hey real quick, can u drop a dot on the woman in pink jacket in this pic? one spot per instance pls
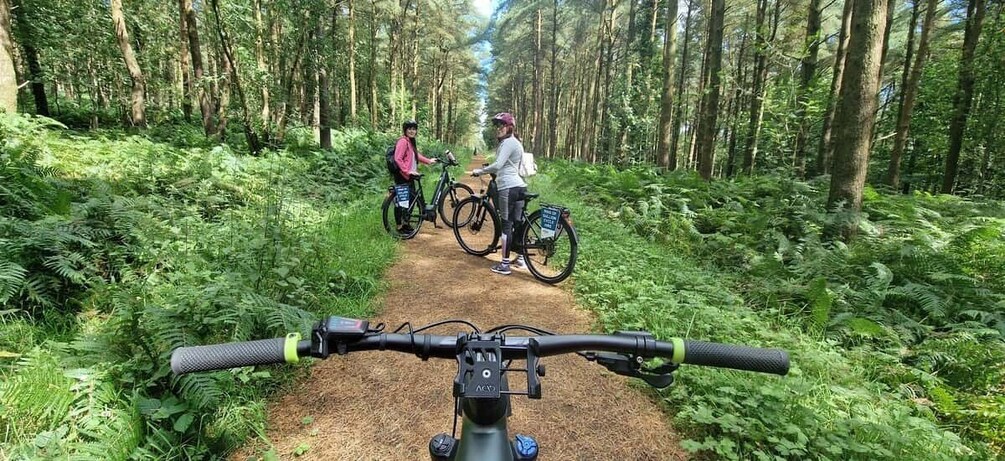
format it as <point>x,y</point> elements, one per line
<point>407,156</point>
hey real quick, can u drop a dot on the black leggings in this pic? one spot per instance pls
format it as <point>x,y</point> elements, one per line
<point>401,214</point>
<point>510,206</point>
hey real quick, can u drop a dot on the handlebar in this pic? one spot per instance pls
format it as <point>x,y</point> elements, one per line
<point>342,336</point>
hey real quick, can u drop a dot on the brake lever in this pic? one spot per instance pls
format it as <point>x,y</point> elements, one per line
<point>631,366</point>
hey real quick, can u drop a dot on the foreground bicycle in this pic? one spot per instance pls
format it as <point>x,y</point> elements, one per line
<point>412,207</point>
<point>546,238</point>
<point>481,387</point>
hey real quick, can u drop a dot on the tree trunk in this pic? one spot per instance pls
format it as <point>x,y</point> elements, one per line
<point>666,101</point>
<point>324,104</point>
<point>135,74</point>
<point>535,135</point>
<point>807,74</point>
<point>737,100</point>
<point>710,101</point>
<point>964,93</point>
<point>260,62</point>
<point>855,113</point>
<point>415,63</point>
<point>231,65</point>
<point>205,106</point>
<point>352,61</point>
<point>910,93</point>
<point>24,33</point>
<point>553,118</point>
<point>374,107</point>
<point>183,59</point>
<point>605,139</point>
<point>757,93</point>
<point>825,149</point>
<point>223,91</point>
<point>8,79</point>
<point>590,121</point>
<point>678,113</point>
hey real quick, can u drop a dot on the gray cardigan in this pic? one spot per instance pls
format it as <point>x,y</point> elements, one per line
<point>507,164</point>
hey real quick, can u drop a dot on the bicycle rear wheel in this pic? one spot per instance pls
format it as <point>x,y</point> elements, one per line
<point>411,217</point>
<point>451,199</point>
<point>479,229</point>
<point>550,259</point>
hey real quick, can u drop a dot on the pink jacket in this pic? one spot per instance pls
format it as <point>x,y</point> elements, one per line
<point>405,155</point>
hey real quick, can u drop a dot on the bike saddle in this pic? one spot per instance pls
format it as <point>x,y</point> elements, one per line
<point>528,196</point>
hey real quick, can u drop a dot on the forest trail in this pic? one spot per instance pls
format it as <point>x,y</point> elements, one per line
<point>384,406</point>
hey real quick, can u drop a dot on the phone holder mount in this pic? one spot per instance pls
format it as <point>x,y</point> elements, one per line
<point>480,369</point>
<point>631,365</point>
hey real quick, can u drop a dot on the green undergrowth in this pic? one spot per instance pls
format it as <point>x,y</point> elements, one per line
<point>115,249</point>
<point>895,340</point>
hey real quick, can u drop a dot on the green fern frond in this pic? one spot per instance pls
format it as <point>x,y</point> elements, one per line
<point>12,276</point>
<point>199,388</point>
<point>104,425</point>
<point>930,302</point>
<point>35,397</point>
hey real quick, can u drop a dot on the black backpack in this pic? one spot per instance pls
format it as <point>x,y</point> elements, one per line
<point>392,166</point>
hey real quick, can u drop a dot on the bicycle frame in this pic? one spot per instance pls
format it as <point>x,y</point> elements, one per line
<point>484,433</point>
<point>439,193</point>
<point>488,200</point>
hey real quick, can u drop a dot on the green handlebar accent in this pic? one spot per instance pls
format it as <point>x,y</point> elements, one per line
<point>290,348</point>
<point>678,350</point>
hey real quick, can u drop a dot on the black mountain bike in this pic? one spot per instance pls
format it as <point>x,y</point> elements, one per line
<point>546,238</point>
<point>484,362</point>
<point>412,207</point>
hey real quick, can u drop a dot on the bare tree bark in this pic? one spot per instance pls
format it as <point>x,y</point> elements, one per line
<point>964,93</point>
<point>132,65</point>
<point>855,113</point>
<point>910,93</point>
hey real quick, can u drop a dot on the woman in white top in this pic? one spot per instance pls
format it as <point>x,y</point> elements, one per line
<point>509,185</point>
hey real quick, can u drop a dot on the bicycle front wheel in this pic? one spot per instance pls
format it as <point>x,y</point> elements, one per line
<point>478,228</point>
<point>550,259</point>
<point>407,222</point>
<point>451,199</point>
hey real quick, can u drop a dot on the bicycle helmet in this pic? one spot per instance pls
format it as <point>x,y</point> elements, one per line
<point>504,118</point>
<point>409,124</point>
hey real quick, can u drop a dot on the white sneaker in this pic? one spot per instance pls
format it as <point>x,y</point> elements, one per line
<point>519,263</point>
<point>501,269</point>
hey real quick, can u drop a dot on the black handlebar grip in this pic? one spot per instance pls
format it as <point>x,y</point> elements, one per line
<point>736,357</point>
<point>230,355</point>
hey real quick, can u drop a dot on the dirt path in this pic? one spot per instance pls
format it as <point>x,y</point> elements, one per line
<point>383,406</point>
